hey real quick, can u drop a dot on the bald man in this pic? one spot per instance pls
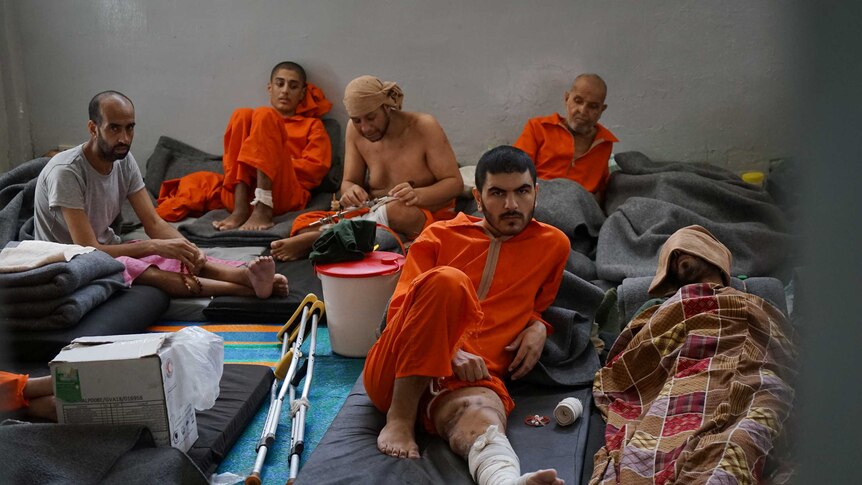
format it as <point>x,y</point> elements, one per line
<point>402,154</point>
<point>577,147</point>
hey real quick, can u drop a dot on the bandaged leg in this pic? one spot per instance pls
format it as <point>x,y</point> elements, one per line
<point>262,197</point>
<point>378,215</point>
<point>492,461</point>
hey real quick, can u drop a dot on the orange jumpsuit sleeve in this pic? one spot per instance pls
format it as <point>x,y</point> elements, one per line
<point>527,142</point>
<point>12,391</point>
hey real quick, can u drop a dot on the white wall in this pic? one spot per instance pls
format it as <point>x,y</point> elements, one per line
<point>696,81</point>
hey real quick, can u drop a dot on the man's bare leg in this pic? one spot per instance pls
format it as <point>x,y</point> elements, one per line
<point>261,216</point>
<point>241,209</point>
<point>404,219</point>
<point>295,247</point>
<point>463,415</point>
<point>40,392</point>
<point>179,286</point>
<point>259,275</point>
<point>398,438</point>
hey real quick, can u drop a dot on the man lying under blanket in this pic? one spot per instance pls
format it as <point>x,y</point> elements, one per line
<point>696,388</point>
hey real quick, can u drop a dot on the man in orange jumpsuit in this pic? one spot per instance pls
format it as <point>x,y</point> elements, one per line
<point>577,147</point>
<point>465,314</point>
<point>275,154</point>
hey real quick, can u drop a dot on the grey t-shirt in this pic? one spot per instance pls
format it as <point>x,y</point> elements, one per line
<point>70,181</point>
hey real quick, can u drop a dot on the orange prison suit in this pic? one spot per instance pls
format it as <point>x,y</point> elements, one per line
<point>302,221</point>
<point>439,306</point>
<point>295,153</point>
<point>550,144</point>
<point>12,391</point>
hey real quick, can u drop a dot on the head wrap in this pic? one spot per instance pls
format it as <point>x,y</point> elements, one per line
<point>367,93</point>
<point>694,240</point>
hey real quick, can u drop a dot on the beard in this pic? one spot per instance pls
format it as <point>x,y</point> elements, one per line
<point>111,152</point>
<point>377,136</point>
<point>510,223</point>
<point>580,128</point>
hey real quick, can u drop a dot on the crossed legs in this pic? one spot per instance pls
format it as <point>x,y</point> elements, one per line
<point>258,279</point>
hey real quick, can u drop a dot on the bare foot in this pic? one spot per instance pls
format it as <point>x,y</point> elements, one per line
<point>259,220</point>
<point>397,439</point>
<point>233,221</point>
<point>295,247</point>
<point>279,285</point>
<point>543,477</point>
<point>261,275</point>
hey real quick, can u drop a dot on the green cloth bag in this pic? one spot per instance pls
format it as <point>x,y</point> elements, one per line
<point>348,240</point>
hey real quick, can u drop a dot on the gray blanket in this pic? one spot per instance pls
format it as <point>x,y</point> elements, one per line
<point>572,209</point>
<point>58,279</point>
<point>90,454</point>
<point>569,358</point>
<point>17,190</point>
<point>648,201</point>
<point>61,312</point>
<point>202,232</point>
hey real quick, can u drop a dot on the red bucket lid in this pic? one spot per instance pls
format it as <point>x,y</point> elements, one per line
<point>376,263</point>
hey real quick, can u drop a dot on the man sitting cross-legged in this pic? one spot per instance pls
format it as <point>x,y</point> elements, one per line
<point>465,314</point>
<point>402,154</point>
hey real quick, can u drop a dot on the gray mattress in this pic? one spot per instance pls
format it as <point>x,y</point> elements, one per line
<point>348,451</point>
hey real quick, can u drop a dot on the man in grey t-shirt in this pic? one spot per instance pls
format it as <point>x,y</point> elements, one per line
<point>79,194</point>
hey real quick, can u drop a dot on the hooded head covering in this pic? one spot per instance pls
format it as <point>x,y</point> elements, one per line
<point>367,93</point>
<point>694,240</point>
<point>314,104</point>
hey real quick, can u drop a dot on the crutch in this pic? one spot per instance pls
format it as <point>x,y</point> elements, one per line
<point>299,407</point>
<point>284,372</point>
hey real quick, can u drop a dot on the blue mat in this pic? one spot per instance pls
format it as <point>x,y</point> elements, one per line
<point>333,378</point>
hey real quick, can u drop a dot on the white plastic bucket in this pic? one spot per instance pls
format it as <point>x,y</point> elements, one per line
<point>356,294</point>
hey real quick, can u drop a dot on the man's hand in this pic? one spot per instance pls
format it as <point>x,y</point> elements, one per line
<point>469,367</point>
<point>178,248</point>
<point>528,345</point>
<point>353,197</point>
<point>405,193</point>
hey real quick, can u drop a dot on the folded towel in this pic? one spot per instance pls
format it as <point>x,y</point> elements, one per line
<point>26,255</point>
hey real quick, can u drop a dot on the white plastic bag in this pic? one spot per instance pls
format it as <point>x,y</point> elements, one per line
<point>200,362</point>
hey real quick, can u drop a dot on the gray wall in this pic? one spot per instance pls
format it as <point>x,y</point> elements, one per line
<point>15,141</point>
<point>695,81</point>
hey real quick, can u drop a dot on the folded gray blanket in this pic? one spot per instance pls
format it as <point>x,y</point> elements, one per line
<point>57,279</point>
<point>61,312</point>
<point>90,454</point>
<point>202,232</point>
<point>17,190</point>
<point>648,201</point>
<point>569,358</point>
<point>570,208</point>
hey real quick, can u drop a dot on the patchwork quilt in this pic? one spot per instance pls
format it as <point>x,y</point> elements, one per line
<point>696,390</point>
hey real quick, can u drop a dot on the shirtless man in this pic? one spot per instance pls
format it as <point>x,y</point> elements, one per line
<point>577,147</point>
<point>466,313</point>
<point>80,192</point>
<point>405,155</point>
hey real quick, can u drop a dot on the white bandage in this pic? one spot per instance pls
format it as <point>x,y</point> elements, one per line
<point>568,411</point>
<point>262,197</point>
<point>492,461</point>
<point>378,215</point>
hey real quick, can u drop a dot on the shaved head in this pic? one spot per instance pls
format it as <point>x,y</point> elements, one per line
<point>290,66</point>
<point>595,79</point>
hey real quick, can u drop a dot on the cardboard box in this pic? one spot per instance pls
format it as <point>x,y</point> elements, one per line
<point>124,379</point>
